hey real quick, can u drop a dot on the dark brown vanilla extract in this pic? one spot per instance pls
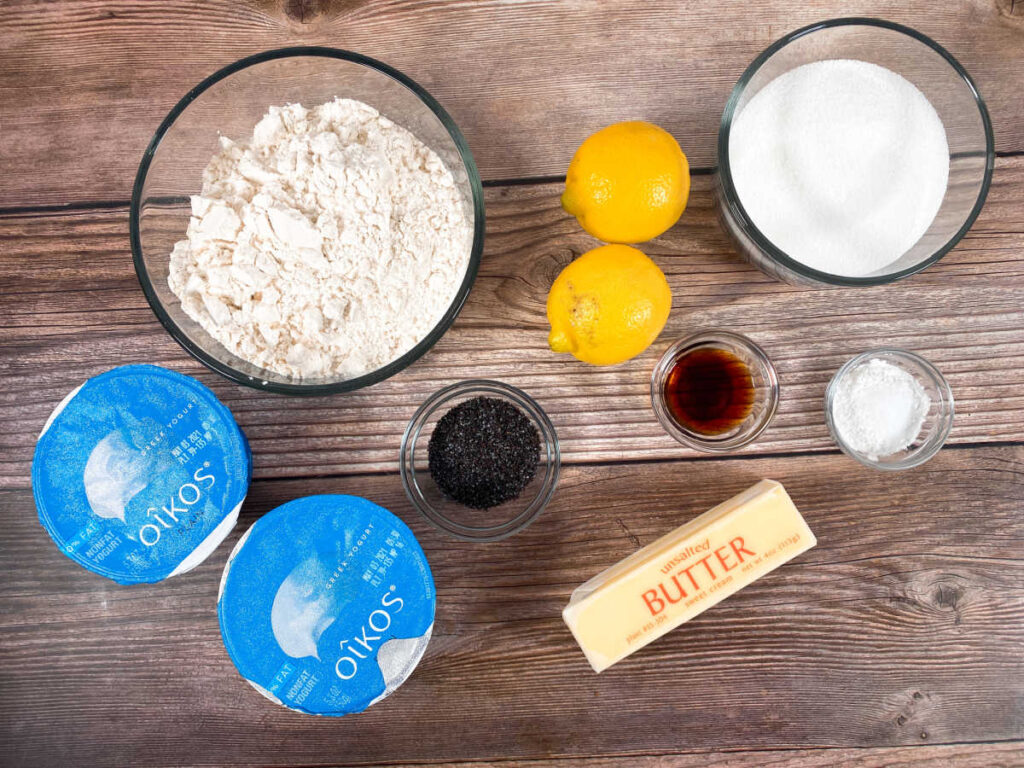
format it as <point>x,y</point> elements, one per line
<point>709,391</point>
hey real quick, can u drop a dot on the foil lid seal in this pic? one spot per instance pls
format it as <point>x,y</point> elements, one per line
<point>139,474</point>
<point>327,604</point>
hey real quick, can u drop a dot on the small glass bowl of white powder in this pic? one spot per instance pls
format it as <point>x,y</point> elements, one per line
<point>852,152</point>
<point>889,409</point>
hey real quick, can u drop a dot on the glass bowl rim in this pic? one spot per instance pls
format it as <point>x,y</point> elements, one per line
<point>290,388</point>
<point>774,252</point>
<point>549,439</point>
<point>691,439</point>
<point>941,383</point>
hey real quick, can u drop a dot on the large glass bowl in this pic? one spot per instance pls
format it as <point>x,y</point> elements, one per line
<point>231,102</point>
<point>936,74</point>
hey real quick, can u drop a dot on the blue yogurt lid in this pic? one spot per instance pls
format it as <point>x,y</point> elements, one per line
<point>327,604</point>
<point>139,473</point>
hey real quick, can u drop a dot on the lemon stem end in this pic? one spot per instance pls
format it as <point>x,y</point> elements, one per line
<point>559,342</point>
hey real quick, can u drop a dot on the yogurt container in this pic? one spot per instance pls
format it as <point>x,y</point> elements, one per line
<point>139,473</point>
<point>326,604</point>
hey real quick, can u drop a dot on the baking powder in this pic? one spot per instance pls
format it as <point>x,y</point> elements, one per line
<point>879,408</point>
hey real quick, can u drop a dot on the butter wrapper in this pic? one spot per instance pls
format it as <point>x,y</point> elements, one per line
<point>685,572</point>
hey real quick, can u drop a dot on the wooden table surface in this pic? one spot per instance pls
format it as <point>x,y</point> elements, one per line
<point>898,640</point>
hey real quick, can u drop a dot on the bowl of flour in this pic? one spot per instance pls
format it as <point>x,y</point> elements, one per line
<point>852,152</point>
<point>307,221</point>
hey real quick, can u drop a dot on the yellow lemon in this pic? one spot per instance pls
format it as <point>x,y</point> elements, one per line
<point>608,305</point>
<point>627,183</point>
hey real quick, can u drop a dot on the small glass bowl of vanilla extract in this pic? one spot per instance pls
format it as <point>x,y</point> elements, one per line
<point>715,391</point>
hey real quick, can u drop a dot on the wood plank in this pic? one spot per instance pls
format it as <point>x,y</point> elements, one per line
<point>72,308</point>
<point>904,626</point>
<point>1001,755</point>
<point>84,84</point>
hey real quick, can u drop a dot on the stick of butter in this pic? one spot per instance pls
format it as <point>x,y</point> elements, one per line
<point>685,572</point>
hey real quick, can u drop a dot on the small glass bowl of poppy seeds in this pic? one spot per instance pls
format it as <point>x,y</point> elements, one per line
<point>480,460</point>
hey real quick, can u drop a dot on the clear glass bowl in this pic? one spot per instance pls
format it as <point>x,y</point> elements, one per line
<point>451,516</point>
<point>937,424</point>
<point>936,74</point>
<point>762,374</point>
<point>231,102</point>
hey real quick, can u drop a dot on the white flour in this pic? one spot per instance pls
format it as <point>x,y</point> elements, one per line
<point>879,408</point>
<point>327,246</point>
<point>841,164</point>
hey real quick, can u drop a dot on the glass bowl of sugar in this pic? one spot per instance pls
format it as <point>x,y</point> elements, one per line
<point>889,409</point>
<point>852,152</point>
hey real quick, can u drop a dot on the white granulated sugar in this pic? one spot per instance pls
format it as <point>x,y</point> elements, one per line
<point>327,246</point>
<point>879,408</point>
<point>841,164</point>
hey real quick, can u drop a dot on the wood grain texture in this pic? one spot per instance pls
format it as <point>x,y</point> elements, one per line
<point>904,626</point>
<point>85,83</point>
<point>896,642</point>
<point>1003,755</point>
<point>72,308</point>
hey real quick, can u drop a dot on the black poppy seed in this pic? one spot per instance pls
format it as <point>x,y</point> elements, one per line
<point>483,452</point>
